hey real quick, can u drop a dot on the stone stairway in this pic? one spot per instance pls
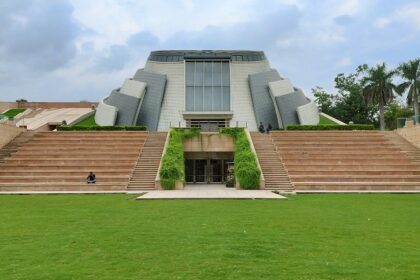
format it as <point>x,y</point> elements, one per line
<point>412,152</point>
<point>14,145</point>
<point>275,174</point>
<point>61,161</point>
<point>347,161</point>
<point>145,171</point>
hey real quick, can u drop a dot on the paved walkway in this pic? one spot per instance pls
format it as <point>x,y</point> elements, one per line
<point>210,192</point>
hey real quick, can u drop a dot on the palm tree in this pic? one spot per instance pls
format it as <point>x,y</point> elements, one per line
<point>378,88</point>
<point>410,71</point>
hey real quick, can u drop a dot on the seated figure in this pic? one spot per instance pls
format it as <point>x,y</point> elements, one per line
<point>91,178</point>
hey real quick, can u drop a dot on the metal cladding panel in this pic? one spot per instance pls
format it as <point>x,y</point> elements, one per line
<point>261,100</point>
<point>288,104</point>
<point>127,106</point>
<point>152,100</point>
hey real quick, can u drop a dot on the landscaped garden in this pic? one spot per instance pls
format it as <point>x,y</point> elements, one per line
<point>117,237</point>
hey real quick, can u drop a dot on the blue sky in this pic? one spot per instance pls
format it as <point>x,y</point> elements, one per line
<point>74,50</point>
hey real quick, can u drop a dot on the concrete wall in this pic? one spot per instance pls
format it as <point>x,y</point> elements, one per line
<point>56,105</point>
<point>105,114</point>
<point>411,133</point>
<point>173,103</point>
<point>4,106</point>
<point>308,114</point>
<point>209,142</point>
<point>241,102</point>
<point>7,133</point>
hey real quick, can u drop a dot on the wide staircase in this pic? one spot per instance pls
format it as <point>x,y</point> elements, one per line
<point>61,161</point>
<point>274,171</point>
<point>348,160</point>
<point>144,174</point>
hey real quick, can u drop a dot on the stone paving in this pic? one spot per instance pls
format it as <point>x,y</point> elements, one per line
<point>210,192</point>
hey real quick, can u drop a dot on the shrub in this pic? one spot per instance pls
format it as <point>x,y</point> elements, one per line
<point>173,163</point>
<point>101,128</point>
<point>247,172</point>
<point>331,127</point>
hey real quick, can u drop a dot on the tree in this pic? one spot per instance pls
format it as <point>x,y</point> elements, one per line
<point>378,88</point>
<point>349,103</point>
<point>395,110</point>
<point>323,99</point>
<point>410,71</point>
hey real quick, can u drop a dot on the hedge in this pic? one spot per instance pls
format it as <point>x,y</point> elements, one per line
<point>173,163</point>
<point>331,127</point>
<point>246,171</point>
<point>100,128</point>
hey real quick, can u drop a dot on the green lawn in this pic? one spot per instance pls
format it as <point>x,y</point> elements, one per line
<point>324,120</point>
<point>116,237</point>
<point>13,112</point>
<point>90,121</point>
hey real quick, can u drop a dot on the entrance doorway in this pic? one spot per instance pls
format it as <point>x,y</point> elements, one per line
<point>206,171</point>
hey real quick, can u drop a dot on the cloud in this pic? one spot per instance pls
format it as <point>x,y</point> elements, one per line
<point>38,35</point>
<point>408,15</point>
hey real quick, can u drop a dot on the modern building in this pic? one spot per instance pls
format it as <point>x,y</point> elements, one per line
<point>196,87</point>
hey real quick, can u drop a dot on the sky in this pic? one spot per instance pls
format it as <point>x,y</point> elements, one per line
<point>73,50</point>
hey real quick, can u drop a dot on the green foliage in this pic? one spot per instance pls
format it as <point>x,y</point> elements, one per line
<point>101,128</point>
<point>89,121</point>
<point>13,112</point>
<point>173,162</point>
<point>323,100</point>
<point>395,110</point>
<point>331,127</point>
<point>410,72</point>
<point>247,172</point>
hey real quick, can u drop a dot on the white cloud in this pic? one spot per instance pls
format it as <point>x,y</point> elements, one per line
<point>408,14</point>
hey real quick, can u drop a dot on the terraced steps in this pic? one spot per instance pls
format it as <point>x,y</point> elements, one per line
<point>348,160</point>
<point>61,161</point>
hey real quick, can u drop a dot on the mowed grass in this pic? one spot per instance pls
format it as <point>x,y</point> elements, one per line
<point>116,237</point>
<point>89,121</point>
<point>325,120</point>
<point>13,112</point>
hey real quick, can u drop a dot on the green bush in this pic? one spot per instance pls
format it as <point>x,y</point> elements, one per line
<point>247,172</point>
<point>173,163</point>
<point>332,127</point>
<point>100,128</point>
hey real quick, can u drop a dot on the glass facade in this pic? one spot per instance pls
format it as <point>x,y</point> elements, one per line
<point>207,86</point>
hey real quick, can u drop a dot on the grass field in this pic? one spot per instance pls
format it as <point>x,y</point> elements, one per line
<point>13,112</point>
<point>324,120</point>
<point>90,121</point>
<point>116,237</point>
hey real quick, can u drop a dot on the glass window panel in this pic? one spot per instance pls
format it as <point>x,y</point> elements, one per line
<point>189,73</point>
<point>199,73</point>
<point>207,99</point>
<point>198,96</point>
<point>190,99</point>
<point>217,74</point>
<point>217,99</point>
<point>226,99</point>
<point>208,75</point>
<point>225,74</point>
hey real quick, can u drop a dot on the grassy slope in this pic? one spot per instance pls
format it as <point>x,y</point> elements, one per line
<point>324,120</point>
<point>90,121</point>
<point>115,237</point>
<point>13,112</point>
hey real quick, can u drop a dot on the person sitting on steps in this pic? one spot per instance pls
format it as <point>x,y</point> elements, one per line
<point>269,128</point>
<point>261,128</point>
<point>91,178</point>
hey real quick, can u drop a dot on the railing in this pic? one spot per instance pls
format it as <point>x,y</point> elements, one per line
<point>409,121</point>
<point>208,125</point>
